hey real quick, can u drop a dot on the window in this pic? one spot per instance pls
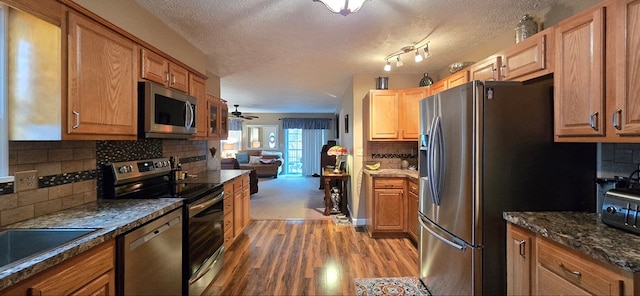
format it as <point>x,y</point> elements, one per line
<point>4,122</point>
<point>293,160</point>
<point>231,145</point>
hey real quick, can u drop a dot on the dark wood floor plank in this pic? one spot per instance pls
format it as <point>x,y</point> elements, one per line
<point>295,257</point>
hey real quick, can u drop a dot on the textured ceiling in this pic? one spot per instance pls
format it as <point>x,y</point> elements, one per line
<point>296,56</point>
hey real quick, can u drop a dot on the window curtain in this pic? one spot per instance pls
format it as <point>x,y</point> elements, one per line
<point>235,124</point>
<point>306,123</point>
<point>312,141</point>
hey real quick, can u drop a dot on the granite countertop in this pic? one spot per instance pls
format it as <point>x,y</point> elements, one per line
<point>392,173</point>
<point>110,218</point>
<point>219,176</point>
<point>585,233</point>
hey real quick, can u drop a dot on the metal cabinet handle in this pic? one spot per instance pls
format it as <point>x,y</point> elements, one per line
<point>593,121</point>
<point>565,269</point>
<point>166,77</point>
<point>77,114</point>
<point>493,74</point>
<point>504,71</point>
<point>522,250</point>
<point>173,79</point>
<point>617,116</point>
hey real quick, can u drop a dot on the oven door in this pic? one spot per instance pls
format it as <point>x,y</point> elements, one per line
<point>205,237</point>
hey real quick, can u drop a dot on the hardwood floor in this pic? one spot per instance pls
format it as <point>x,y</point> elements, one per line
<point>303,257</point>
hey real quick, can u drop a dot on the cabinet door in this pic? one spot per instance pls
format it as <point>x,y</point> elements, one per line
<point>409,115</point>
<point>486,70</point>
<point>197,89</point>
<point>389,209</point>
<point>383,114</point>
<point>551,284</point>
<point>578,80</point>
<point>458,78</point>
<point>213,109</point>
<point>178,77</point>
<point>102,84</point>
<point>238,219</point>
<point>102,286</point>
<point>519,260</point>
<point>224,121</point>
<point>246,198</point>
<point>526,57</point>
<point>626,116</point>
<point>412,210</point>
<point>438,86</point>
<point>154,67</point>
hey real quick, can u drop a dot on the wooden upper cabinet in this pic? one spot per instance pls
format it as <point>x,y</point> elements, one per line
<point>409,115</point>
<point>579,77</point>
<point>213,117</point>
<point>458,78</point>
<point>102,82</point>
<point>528,59</point>
<point>487,69</point>
<point>438,86</point>
<point>224,121</point>
<point>383,114</point>
<point>626,115</point>
<point>156,68</point>
<point>197,89</point>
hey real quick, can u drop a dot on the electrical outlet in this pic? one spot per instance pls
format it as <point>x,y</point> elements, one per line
<point>26,180</point>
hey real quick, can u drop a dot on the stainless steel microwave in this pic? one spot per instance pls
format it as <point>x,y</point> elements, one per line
<point>165,113</point>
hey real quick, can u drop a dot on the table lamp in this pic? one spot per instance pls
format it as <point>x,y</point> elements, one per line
<point>337,151</point>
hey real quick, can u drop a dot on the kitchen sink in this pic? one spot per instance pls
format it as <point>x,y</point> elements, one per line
<point>17,244</point>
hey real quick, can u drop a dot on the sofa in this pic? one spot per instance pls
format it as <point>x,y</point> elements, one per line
<point>265,163</point>
<point>232,164</point>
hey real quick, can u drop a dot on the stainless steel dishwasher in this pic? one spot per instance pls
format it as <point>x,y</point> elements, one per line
<point>149,258</point>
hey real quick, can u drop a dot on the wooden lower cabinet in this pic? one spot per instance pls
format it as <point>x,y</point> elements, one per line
<point>539,266</point>
<point>386,207</point>
<point>412,210</point>
<point>236,208</point>
<point>90,273</point>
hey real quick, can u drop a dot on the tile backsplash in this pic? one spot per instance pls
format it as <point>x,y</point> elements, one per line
<point>619,159</point>
<point>70,172</point>
<point>391,154</point>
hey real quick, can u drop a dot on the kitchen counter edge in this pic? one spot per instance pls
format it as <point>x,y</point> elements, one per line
<point>392,173</point>
<point>585,233</point>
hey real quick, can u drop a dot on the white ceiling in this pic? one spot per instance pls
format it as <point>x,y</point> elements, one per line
<point>296,56</point>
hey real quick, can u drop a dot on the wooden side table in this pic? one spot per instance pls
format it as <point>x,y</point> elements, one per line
<point>329,175</point>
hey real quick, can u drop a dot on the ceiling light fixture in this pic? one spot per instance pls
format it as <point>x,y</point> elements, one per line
<point>407,49</point>
<point>344,7</point>
<point>418,57</point>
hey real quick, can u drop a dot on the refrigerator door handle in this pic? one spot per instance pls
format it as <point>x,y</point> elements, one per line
<point>436,156</point>
<point>430,161</point>
<point>455,243</point>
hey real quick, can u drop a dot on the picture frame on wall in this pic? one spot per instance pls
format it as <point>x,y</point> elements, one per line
<point>346,123</point>
<point>337,126</point>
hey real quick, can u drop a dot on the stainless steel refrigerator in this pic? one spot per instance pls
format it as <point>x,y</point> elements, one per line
<point>485,148</point>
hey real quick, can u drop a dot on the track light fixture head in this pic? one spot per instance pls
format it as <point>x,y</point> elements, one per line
<point>418,57</point>
<point>387,67</point>
<point>398,62</point>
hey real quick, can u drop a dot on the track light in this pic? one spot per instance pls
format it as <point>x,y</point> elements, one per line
<point>387,67</point>
<point>418,56</point>
<point>426,53</point>
<point>415,48</point>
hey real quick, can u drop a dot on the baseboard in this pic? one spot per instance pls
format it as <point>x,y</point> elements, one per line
<point>358,222</point>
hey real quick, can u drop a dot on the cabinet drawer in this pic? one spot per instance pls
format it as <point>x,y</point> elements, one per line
<point>388,183</point>
<point>237,185</point>
<point>550,283</point>
<point>413,188</point>
<point>588,275</point>
<point>228,238</point>
<point>228,221</point>
<point>228,205</point>
<point>228,190</point>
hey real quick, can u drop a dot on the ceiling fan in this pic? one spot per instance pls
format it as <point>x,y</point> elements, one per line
<point>238,114</point>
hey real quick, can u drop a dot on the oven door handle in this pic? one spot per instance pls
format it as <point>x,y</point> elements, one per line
<point>200,206</point>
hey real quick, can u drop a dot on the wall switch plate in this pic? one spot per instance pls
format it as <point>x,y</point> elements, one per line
<point>359,152</point>
<point>26,180</point>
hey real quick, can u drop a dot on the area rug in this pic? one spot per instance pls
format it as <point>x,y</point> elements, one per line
<point>390,286</point>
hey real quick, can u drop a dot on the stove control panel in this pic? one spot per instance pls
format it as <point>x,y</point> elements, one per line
<point>139,169</point>
<point>621,209</point>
